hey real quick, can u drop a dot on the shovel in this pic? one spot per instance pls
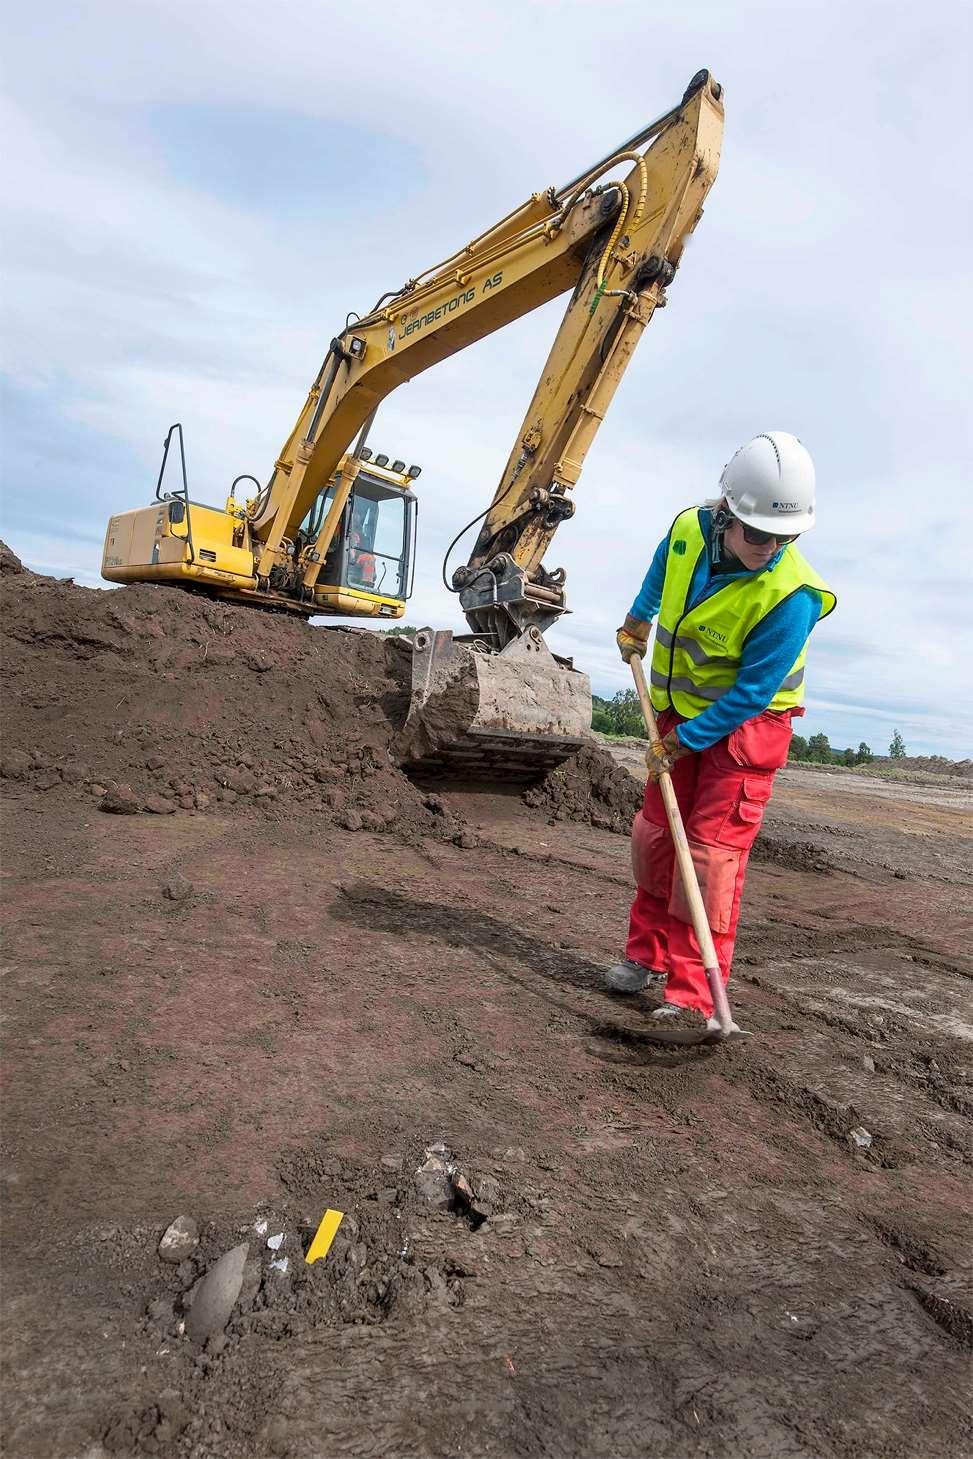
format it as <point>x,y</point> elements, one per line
<point>728,1027</point>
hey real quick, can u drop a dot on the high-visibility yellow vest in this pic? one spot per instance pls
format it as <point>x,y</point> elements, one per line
<point>697,651</point>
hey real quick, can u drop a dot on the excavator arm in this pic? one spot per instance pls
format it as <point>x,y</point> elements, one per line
<point>616,243</point>
<point>498,700</point>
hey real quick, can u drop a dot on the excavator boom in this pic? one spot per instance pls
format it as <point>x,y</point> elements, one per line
<point>613,236</point>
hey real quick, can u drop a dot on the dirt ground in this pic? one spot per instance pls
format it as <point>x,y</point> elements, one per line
<point>251,972</point>
<point>688,1254</point>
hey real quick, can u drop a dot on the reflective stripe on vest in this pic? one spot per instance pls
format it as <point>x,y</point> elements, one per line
<point>686,686</point>
<point>698,649</point>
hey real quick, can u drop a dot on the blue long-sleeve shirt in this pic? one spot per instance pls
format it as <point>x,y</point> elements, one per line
<point>768,655</point>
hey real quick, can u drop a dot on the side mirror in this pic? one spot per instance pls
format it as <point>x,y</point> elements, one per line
<point>177,513</point>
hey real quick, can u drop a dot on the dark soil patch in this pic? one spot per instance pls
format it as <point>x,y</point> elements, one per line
<point>799,855</point>
<point>591,788</point>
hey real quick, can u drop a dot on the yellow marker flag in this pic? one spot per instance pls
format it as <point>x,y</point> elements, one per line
<point>324,1235</point>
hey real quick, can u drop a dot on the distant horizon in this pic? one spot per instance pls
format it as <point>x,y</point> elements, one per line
<point>801,727</point>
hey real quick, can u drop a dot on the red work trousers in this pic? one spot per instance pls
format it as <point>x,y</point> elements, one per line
<point>722,793</point>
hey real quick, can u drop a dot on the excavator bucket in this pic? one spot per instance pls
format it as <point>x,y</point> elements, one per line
<point>511,715</point>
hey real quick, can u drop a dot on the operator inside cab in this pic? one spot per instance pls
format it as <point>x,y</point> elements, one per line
<point>361,541</point>
<point>734,603</point>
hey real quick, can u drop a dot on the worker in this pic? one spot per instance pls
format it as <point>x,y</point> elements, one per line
<point>734,603</point>
<point>361,560</point>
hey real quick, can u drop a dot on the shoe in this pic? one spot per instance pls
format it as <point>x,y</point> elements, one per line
<point>629,977</point>
<point>675,1013</point>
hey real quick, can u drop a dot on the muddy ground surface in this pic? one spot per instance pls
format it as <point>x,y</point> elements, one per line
<point>246,1016</point>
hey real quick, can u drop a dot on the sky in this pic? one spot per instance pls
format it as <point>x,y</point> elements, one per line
<point>197,194</point>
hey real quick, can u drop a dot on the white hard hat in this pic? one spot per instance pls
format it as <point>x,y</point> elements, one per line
<point>769,484</point>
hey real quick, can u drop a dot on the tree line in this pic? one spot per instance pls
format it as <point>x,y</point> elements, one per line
<point>622,715</point>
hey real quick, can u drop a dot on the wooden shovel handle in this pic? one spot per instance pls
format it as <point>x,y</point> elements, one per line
<point>687,869</point>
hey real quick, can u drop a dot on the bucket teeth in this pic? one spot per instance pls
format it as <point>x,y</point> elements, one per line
<point>512,715</point>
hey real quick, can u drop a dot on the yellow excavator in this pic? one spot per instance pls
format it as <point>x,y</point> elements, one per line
<point>333,530</point>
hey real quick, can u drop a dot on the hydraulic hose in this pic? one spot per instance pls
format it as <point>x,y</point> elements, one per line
<point>622,219</point>
<point>463,531</point>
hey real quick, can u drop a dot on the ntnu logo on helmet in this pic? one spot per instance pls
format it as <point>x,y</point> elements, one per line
<point>785,506</point>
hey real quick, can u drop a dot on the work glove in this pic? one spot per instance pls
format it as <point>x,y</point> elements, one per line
<point>663,754</point>
<point>630,643</point>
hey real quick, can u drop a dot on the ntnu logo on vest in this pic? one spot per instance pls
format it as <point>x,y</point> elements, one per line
<point>713,633</point>
<point>784,506</point>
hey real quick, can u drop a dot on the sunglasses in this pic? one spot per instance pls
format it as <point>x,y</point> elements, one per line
<point>755,538</point>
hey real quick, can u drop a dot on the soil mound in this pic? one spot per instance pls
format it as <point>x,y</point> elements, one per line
<point>152,699</point>
<point>797,855</point>
<point>9,561</point>
<point>590,787</point>
<point>931,764</point>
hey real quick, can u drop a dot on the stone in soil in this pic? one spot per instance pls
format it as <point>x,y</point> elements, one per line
<point>120,800</point>
<point>179,1240</point>
<point>177,889</point>
<point>216,1295</point>
<point>434,1185</point>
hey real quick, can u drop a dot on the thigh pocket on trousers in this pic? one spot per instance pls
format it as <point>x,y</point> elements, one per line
<point>652,857</point>
<point>716,871</point>
<point>742,821</point>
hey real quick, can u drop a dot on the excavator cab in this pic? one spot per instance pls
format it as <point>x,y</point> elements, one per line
<point>368,554</point>
<point>369,566</point>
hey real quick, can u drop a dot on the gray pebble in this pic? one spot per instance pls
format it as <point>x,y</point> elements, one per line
<point>216,1295</point>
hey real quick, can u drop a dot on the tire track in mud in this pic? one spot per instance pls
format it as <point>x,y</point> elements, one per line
<point>928,1276</point>
<point>891,1099</point>
<point>790,937</point>
<point>955,1321</point>
<point>904,1037</point>
<point>895,1046</point>
<point>922,1263</point>
<point>377,906</point>
<point>912,1251</point>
